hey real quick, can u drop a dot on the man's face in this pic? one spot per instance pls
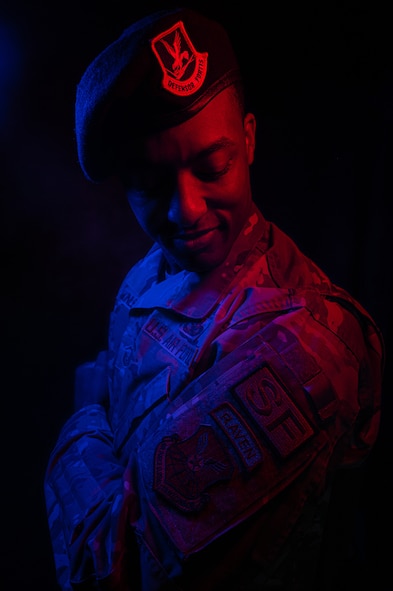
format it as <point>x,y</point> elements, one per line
<point>190,190</point>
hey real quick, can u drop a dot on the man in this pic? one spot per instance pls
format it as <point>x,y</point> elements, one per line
<point>237,380</point>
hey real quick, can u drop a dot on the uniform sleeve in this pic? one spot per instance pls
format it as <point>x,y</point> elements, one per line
<point>265,429</point>
<point>88,495</point>
<point>331,347</point>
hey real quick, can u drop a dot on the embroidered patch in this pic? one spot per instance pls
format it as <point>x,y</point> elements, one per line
<point>184,470</point>
<point>184,69</point>
<point>241,437</point>
<point>159,329</point>
<point>192,330</point>
<point>271,406</point>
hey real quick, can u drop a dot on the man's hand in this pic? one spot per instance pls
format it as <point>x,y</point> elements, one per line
<point>91,383</point>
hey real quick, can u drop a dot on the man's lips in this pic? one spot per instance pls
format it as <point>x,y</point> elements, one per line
<point>194,239</point>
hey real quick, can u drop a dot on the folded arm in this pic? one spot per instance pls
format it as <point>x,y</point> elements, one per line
<point>88,491</point>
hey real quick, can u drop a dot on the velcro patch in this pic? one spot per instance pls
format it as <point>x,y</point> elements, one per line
<point>159,329</point>
<point>241,437</point>
<point>281,421</point>
<point>183,470</point>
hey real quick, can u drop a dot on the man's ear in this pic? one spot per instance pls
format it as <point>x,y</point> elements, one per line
<point>249,131</point>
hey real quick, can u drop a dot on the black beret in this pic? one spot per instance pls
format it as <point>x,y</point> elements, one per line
<point>161,71</point>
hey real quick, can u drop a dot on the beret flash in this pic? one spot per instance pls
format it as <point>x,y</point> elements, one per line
<point>162,70</point>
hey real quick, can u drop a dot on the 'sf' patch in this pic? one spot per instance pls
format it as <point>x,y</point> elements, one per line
<point>282,422</point>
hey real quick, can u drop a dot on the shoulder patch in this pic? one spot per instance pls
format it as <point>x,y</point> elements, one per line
<point>281,421</point>
<point>184,469</point>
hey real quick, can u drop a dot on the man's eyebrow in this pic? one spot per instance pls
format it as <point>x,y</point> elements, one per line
<point>222,142</point>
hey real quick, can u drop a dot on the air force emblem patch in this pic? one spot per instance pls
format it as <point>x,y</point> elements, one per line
<point>185,469</point>
<point>184,69</point>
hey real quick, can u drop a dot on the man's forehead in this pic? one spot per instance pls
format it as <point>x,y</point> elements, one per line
<point>192,140</point>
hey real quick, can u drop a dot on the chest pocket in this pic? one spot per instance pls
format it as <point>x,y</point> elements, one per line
<point>153,362</point>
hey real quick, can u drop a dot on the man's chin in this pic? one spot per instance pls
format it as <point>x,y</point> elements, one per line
<point>196,263</point>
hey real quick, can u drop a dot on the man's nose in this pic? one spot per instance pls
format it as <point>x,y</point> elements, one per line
<point>188,203</point>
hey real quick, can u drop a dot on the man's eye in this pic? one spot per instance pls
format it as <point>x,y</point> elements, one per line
<point>213,172</point>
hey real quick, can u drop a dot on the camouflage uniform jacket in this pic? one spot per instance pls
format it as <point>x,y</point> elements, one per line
<point>233,397</point>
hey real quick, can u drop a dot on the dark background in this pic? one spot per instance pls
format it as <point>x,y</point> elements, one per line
<point>320,78</point>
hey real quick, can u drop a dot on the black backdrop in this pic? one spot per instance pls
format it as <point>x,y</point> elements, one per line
<point>320,80</point>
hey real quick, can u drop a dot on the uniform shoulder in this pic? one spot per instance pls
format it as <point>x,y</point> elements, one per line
<point>289,266</point>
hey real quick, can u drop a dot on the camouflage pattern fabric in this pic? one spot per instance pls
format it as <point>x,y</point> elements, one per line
<point>234,396</point>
